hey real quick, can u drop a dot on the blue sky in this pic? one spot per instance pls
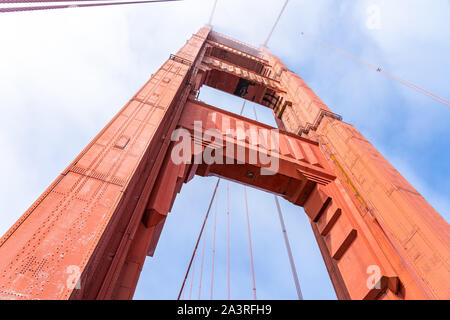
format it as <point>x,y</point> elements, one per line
<point>65,73</point>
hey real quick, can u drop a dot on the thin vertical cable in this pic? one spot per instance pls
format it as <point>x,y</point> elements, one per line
<point>288,248</point>
<point>286,239</point>
<point>250,244</point>
<point>242,109</point>
<point>228,228</point>
<point>213,252</point>
<point>192,280</point>
<point>228,240</point>
<point>198,239</point>
<point>201,268</point>
<point>254,111</point>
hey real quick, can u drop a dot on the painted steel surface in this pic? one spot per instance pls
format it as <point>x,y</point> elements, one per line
<point>88,234</point>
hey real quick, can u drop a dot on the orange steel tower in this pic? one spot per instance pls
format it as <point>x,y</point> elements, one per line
<point>88,234</point>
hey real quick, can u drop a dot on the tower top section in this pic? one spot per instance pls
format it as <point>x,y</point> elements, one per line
<point>235,44</point>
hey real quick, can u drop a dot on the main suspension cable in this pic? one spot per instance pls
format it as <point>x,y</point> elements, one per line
<point>380,70</point>
<point>275,24</point>
<point>71,6</point>
<point>50,1</point>
<point>212,13</point>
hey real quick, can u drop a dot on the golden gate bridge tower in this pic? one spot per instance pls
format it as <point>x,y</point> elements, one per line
<point>103,215</point>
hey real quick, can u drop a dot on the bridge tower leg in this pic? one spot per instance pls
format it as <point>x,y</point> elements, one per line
<point>88,234</point>
<point>387,218</point>
<point>84,235</point>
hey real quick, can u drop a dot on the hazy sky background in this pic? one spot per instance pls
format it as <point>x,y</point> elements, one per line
<point>65,73</point>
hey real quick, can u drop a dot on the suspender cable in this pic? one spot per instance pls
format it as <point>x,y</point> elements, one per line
<point>242,109</point>
<point>192,279</point>
<point>250,244</point>
<point>182,295</point>
<point>213,251</point>
<point>228,228</point>
<point>228,240</point>
<point>275,24</point>
<point>198,239</point>
<point>380,70</point>
<point>201,268</point>
<point>82,5</point>
<point>288,248</point>
<point>212,13</point>
<point>254,111</point>
<point>201,232</point>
